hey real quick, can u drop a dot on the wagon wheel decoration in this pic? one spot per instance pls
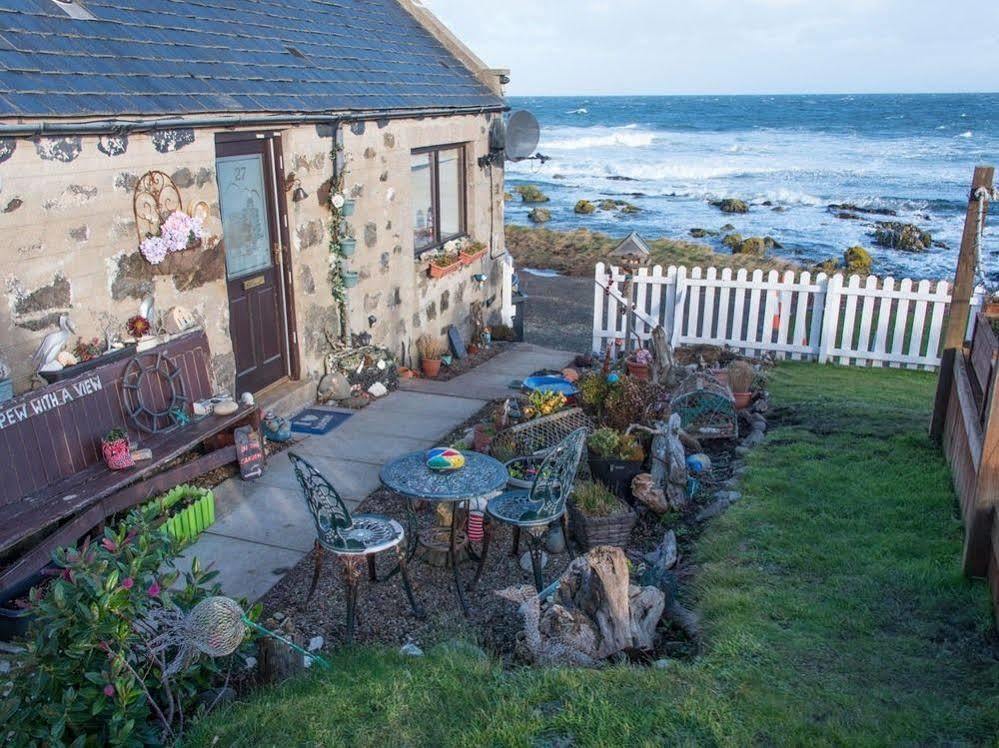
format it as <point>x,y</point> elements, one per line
<point>149,373</point>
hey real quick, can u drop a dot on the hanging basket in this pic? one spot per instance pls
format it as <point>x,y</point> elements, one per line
<point>348,247</point>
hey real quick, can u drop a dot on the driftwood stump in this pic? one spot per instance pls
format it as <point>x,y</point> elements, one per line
<point>595,614</point>
<point>676,478</point>
<point>662,358</point>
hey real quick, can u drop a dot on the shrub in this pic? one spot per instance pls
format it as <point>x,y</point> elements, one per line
<point>430,348</point>
<point>741,376</point>
<point>609,444</point>
<point>594,499</point>
<point>89,674</point>
<point>627,401</point>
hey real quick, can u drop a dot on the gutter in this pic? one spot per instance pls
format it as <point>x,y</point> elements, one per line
<point>97,127</point>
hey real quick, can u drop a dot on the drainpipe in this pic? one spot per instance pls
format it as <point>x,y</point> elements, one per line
<point>98,127</point>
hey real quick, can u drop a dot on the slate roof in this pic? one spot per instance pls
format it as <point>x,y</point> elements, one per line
<point>185,57</point>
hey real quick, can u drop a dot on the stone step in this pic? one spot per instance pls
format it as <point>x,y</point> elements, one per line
<point>288,398</point>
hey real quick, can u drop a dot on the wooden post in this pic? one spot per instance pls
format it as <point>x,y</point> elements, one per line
<point>960,305</point>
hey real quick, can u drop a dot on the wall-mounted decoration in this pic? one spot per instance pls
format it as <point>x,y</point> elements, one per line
<point>152,387</point>
<point>160,220</point>
<point>200,211</point>
<point>7,147</point>
<point>155,197</point>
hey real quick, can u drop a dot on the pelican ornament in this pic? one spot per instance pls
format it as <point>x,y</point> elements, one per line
<point>52,344</point>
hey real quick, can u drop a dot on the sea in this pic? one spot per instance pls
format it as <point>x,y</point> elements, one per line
<point>788,157</point>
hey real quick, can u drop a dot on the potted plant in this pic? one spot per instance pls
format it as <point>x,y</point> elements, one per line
<point>342,204</point>
<point>444,263</point>
<point>472,252</point>
<point>615,459</point>
<point>741,375</point>
<point>431,352</point>
<point>348,245</point>
<point>991,306</point>
<point>639,364</point>
<point>350,278</point>
<point>523,471</point>
<point>116,450</point>
<point>598,517</point>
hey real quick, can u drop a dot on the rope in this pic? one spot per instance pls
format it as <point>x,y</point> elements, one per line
<point>983,195</point>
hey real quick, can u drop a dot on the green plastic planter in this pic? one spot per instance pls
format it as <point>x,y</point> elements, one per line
<point>188,523</point>
<point>350,279</point>
<point>348,209</point>
<point>348,246</point>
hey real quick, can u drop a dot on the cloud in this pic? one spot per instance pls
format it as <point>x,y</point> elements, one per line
<point>593,47</point>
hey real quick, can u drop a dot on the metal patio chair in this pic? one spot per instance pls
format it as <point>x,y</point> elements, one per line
<point>539,506</point>
<point>351,538</point>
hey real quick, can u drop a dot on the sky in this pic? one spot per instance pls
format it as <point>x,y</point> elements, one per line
<point>605,47</point>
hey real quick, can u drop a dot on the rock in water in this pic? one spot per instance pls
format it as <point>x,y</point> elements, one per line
<point>731,205</point>
<point>540,215</point>
<point>584,208</point>
<point>902,236</point>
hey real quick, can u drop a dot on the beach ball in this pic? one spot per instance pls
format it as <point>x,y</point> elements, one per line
<point>445,459</point>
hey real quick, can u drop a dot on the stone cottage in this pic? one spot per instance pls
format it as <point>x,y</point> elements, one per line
<point>115,113</point>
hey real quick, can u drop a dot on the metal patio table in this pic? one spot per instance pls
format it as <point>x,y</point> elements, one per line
<point>481,478</point>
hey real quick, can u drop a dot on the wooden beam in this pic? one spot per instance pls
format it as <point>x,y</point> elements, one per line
<point>960,305</point>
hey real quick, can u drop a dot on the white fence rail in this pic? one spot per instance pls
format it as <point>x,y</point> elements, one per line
<point>875,322</point>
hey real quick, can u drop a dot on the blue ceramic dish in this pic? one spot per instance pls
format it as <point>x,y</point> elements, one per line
<point>551,384</point>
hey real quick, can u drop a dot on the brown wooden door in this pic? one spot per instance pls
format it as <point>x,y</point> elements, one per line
<point>247,194</point>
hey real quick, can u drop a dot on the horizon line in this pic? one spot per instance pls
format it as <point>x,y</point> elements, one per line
<point>735,95</point>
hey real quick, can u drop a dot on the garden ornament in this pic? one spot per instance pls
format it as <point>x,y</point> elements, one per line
<point>52,344</point>
<point>216,627</point>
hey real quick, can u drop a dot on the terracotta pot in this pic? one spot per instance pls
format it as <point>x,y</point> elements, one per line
<point>638,371</point>
<point>991,309</point>
<point>436,271</point>
<point>117,455</point>
<point>472,349</point>
<point>468,258</point>
<point>743,400</point>
<point>431,367</point>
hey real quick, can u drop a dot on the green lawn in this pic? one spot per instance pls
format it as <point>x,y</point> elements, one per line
<point>834,610</point>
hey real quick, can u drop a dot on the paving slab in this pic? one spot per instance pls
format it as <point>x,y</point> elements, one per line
<point>269,515</point>
<point>246,569</point>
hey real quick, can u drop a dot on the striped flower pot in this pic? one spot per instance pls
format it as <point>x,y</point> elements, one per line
<point>188,523</point>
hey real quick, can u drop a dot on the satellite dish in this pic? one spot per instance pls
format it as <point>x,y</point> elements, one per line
<point>522,136</point>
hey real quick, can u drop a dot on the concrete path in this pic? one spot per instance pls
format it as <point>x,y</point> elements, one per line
<point>263,528</point>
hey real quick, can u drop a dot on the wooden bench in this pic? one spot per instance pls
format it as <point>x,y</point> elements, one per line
<point>53,481</point>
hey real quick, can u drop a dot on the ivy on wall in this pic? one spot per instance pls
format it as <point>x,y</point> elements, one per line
<point>338,226</point>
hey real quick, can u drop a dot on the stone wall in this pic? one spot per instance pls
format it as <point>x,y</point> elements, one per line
<point>68,242</point>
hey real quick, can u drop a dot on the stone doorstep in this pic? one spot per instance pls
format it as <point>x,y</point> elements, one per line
<point>287,398</point>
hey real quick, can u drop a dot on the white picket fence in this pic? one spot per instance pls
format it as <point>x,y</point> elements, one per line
<point>875,322</point>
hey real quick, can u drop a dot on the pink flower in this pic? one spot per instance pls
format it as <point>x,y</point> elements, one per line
<point>109,545</point>
<point>154,589</point>
<point>127,583</point>
<point>109,690</point>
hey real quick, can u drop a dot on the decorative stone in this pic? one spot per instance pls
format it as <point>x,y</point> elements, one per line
<point>661,664</point>
<point>730,496</point>
<point>67,359</point>
<point>315,643</point>
<point>333,386</point>
<point>177,320</point>
<point>712,510</point>
<point>555,542</point>
<point>378,390</point>
<point>246,398</point>
<point>410,650</point>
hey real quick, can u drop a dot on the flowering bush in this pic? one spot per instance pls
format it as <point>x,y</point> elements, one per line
<point>87,350</point>
<point>338,201</point>
<point>178,232</point>
<point>642,357</point>
<point>90,674</point>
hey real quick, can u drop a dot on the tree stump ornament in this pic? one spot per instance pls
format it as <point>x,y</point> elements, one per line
<point>662,358</point>
<point>647,490</point>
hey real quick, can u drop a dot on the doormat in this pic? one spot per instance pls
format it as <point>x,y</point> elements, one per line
<point>317,422</point>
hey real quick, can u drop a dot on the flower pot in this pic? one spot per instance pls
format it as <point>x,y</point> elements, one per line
<point>467,258</point>
<point>591,532</point>
<point>348,247</point>
<point>742,400</point>
<point>6,390</point>
<point>348,208</point>
<point>117,454</point>
<point>189,522</point>
<point>14,621</point>
<point>431,367</point>
<point>637,370</point>
<point>525,463</point>
<point>991,309</point>
<point>350,279</point>
<point>616,475</point>
<point>436,271</point>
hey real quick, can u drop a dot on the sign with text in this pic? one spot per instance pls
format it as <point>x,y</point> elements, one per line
<point>249,452</point>
<point>50,400</point>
